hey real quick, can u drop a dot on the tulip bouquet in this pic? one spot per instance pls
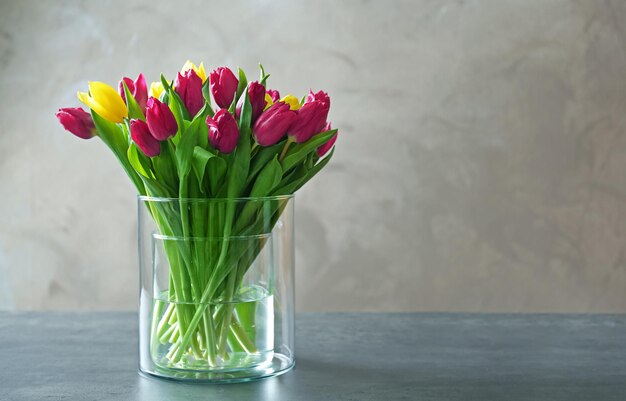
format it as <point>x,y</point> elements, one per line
<point>216,138</point>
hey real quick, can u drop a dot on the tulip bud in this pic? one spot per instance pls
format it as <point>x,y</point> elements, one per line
<point>77,121</point>
<point>160,120</point>
<point>223,86</point>
<point>138,89</point>
<point>140,134</point>
<point>199,70</point>
<point>274,94</point>
<point>322,150</point>
<point>311,119</point>
<point>273,124</point>
<point>105,101</point>
<point>223,131</point>
<point>292,101</point>
<point>256,92</point>
<point>156,89</point>
<point>189,87</point>
<point>320,96</point>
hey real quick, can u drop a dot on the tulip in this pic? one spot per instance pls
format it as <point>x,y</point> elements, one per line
<point>273,124</point>
<point>140,134</point>
<point>77,121</point>
<point>292,101</point>
<point>138,89</point>
<point>274,95</point>
<point>189,88</point>
<point>156,88</point>
<point>320,96</point>
<point>310,121</point>
<point>322,150</point>
<point>199,70</point>
<point>256,93</point>
<point>105,101</point>
<point>223,131</point>
<point>160,120</point>
<point>223,86</point>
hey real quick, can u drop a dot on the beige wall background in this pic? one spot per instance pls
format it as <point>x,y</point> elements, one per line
<point>481,163</point>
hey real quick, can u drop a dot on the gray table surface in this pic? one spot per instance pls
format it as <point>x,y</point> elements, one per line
<point>340,356</point>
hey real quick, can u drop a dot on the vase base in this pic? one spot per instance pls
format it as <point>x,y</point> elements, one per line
<point>277,366</point>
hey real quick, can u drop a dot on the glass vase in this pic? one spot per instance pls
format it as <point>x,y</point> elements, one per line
<point>216,288</point>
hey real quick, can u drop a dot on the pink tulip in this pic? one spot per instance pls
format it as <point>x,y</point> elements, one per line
<point>273,124</point>
<point>311,119</point>
<point>274,94</point>
<point>323,149</point>
<point>189,88</point>
<point>223,86</point>
<point>223,131</point>
<point>256,92</point>
<point>77,121</point>
<point>160,120</point>
<point>138,89</point>
<point>140,134</point>
<point>320,96</point>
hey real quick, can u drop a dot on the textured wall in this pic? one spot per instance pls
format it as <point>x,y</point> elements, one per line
<point>481,164</point>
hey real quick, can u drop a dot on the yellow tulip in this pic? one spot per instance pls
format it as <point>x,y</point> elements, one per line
<point>268,101</point>
<point>105,101</point>
<point>199,70</point>
<point>292,101</point>
<point>156,88</point>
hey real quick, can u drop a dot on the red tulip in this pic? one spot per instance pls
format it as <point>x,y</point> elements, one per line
<point>189,88</point>
<point>256,92</point>
<point>138,89</point>
<point>311,119</point>
<point>160,120</point>
<point>322,150</point>
<point>77,121</point>
<point>223,86</point>
<point>140,134</point>
<point>223,131</point>
<point>273,123</point>
<point>274,94</point>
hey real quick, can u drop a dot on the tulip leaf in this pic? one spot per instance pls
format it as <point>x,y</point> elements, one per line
<point>262,75</point>
<point>300,151</point>
<point>117,140</point>
<point>241,86</point>
<point>134,110</point>
<point>245,119</point>
<point>268,179</point>
<point>164,167</point>
<point>206,93</point>
<point>291,181</point>
<point>217,170</point>
<point>140,162</point>
<point>316,169</point>
<point>199,162</point>
<point>263,156</point>
<point>184,150</point>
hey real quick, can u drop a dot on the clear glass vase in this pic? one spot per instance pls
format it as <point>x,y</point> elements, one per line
<point>216,288</point>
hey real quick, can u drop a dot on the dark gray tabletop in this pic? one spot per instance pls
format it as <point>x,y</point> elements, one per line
<point>355,356</point>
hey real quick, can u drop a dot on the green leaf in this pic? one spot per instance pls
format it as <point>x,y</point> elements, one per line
<point>300,151</point>
<point>268,179</point>
<point>200,159</point>
<point>140,162</point>
<point>263,156</point>
<point>206,93</point>
<point>134,111</point>
<point>164,166</point>
<point>245,119</point>
<point>316,169</point>
<point>217,170</point>
<point>263,77</point>
<point>243,83</point>
<point>292,181</point>
<point>184,150</point>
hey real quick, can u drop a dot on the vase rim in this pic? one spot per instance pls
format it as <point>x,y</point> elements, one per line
<point>146,198</point>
